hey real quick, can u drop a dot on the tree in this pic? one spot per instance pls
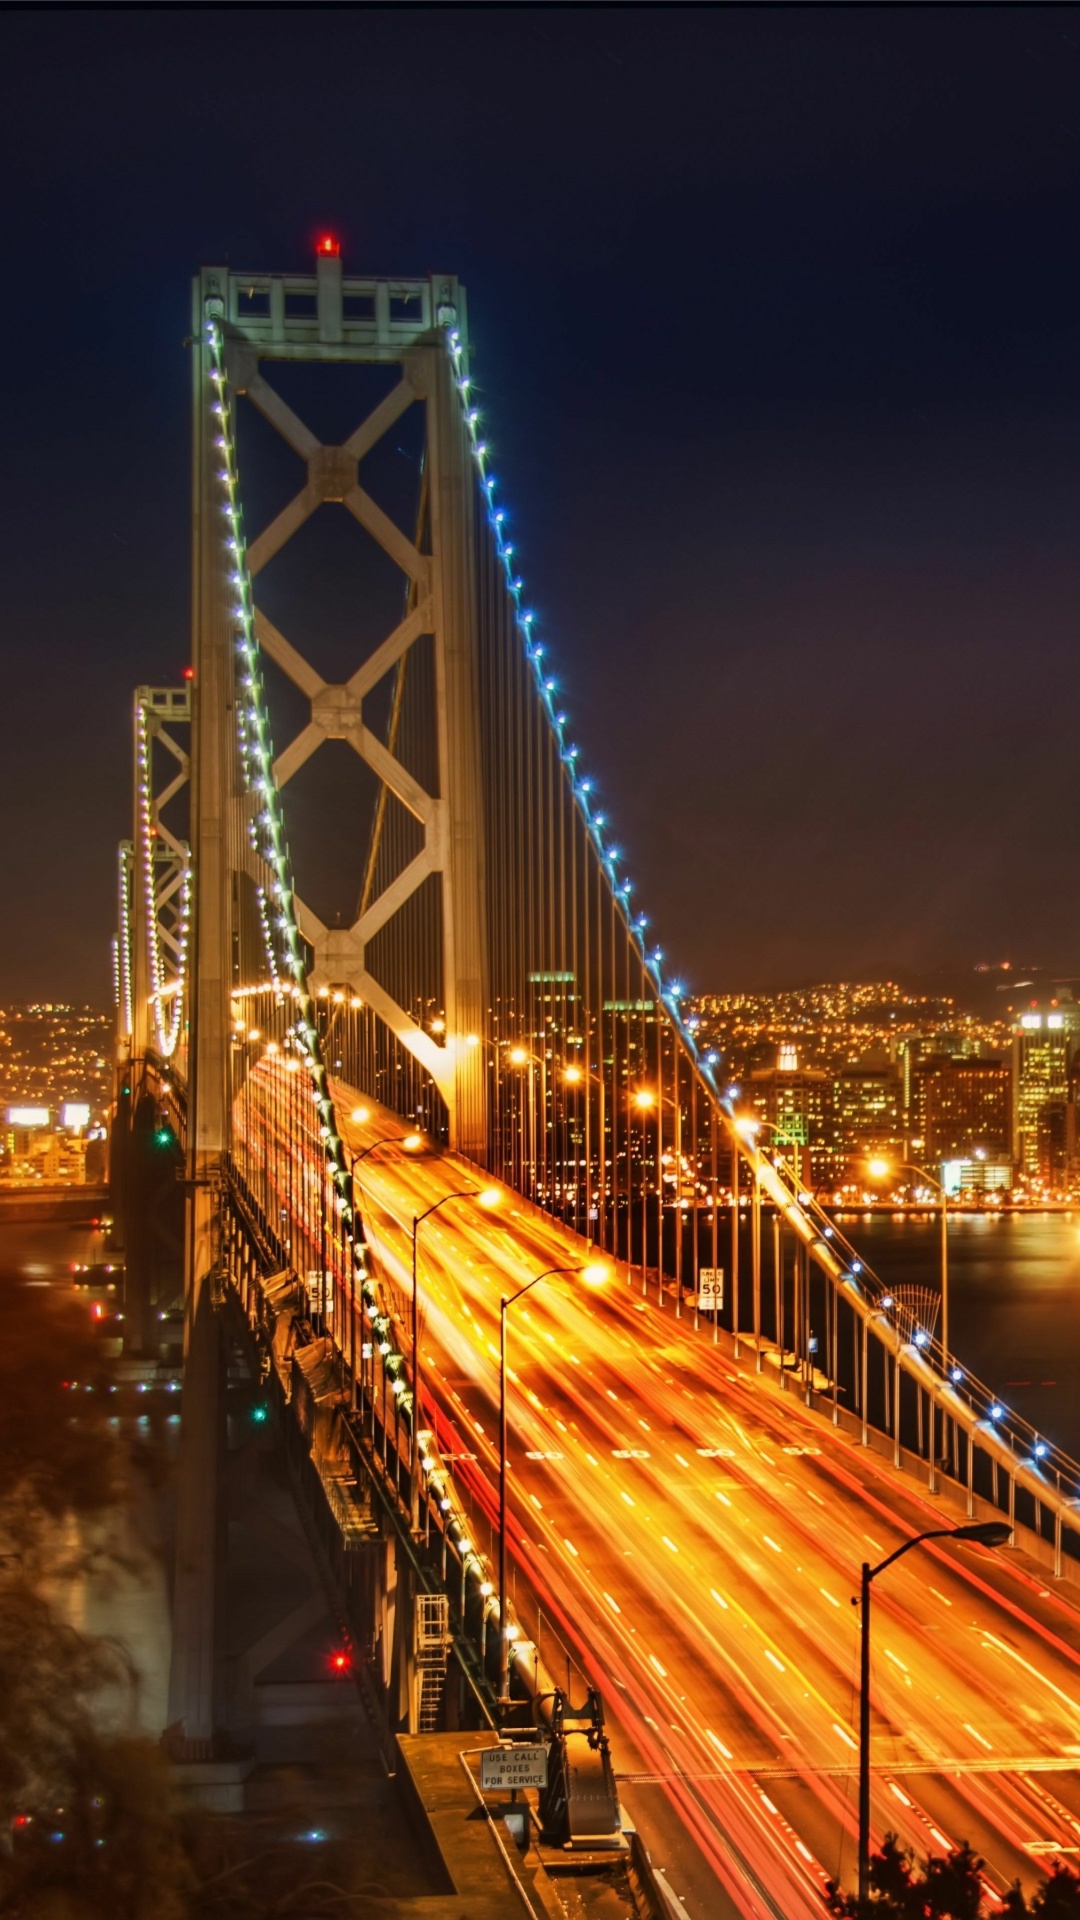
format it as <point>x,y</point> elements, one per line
<point>86,1814</point>
<point>953,1885</point>
<point>949,1887</point>
<point>85,1822</point>
<point>1059,1896</point>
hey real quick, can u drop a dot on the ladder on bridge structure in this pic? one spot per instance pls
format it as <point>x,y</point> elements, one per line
<point>432,1629</point>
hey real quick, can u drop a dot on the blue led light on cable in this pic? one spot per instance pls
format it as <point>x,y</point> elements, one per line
<point>524,620</point>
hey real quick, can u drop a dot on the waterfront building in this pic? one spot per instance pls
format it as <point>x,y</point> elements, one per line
<point>868,1106</point>
<point>960,1105</point>
<point>796,1103</point>
<point>1045,1037</point>
<point>976,1176</point>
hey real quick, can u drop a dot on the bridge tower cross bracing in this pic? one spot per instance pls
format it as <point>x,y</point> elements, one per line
<point>158,881</point>
<point>326,320</point>
<point>403,328</point>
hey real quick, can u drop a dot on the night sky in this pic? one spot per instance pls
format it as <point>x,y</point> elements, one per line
<point>775,319</point>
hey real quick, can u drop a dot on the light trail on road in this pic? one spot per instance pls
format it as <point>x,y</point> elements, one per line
<point>695,1535</point>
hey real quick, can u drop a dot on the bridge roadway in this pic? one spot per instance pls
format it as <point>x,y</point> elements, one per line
<point>696,1536</point>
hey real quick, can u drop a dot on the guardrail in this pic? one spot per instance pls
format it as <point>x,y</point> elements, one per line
<point>356,1425</point>
<point>1029,1460</point>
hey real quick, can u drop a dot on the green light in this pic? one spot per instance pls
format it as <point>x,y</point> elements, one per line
<point>260,1415</point>
<point>163,1136</point>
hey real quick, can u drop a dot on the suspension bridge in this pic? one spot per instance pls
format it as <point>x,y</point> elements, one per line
<point>386,1000</point>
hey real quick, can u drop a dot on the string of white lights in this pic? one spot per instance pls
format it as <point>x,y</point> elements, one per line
<point>161,988</point>
<point>277,905</point>
<point>124,942</point>
<point>268,941</point>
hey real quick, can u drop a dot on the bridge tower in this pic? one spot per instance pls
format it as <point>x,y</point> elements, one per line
<point>326,321</point>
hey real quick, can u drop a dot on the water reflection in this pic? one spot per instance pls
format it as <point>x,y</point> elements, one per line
<point>1014,1301</point>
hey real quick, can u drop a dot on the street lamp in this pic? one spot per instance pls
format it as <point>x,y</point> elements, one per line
<point>486,1197</point>
<point>595,1272</point>
<point>880,1170</point>
<point>409,1143</point>
<point>984,1533</point>
<point>645,1100</point>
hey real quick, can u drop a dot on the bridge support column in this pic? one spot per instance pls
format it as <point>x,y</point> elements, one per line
<point>458,705</point>
<point>194,1651</point>
<point>214,832</point>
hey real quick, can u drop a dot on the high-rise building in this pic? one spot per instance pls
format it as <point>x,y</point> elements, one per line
<point>1056,1142</point>
<point>1045,1035</point>
<point>913,1051</point>
<point>960,1105</point>
<point>796,1102</point>
<point>868,1105</point>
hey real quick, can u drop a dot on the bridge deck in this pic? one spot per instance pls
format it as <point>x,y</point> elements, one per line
<point>692,1535</point>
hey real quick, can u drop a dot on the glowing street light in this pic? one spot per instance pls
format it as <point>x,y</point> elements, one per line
<point>487,1197</point>
<point>983,1533</point>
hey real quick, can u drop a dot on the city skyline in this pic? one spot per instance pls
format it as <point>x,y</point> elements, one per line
<point>539,1054</point>
<point>880,446</point>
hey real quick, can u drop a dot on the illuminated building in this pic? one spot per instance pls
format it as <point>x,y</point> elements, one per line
<point>1044,1038</point>
<point>55,1085</point>
<point>868,1108</point>
<point>1055,1142</point>
<point>961,1104</point>
<point>797,1104</point>
<point>976,1176</point>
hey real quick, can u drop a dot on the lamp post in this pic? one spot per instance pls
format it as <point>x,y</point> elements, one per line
<point>407,1143</point>
<point>486,1197</point>
<point>596,1273</point>
<point>748,1126</point>
<point>521,1057</point>
<point>986,1533</point>
<point>879,1170</point>
<point>644,1100</point>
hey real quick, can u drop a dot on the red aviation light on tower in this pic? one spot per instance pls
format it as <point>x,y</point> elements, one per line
<point>327,247</point>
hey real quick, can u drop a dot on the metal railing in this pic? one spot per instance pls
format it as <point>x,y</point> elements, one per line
<point>1005,1438</point>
